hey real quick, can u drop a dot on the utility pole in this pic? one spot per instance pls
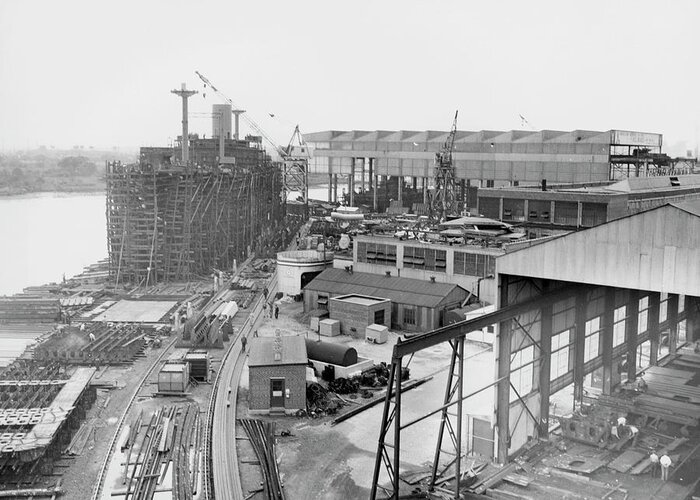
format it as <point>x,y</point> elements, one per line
<point>185,94</point>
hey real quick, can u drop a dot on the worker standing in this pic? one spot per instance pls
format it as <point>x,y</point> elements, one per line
<point>665,462</point>
<point>654,459</point>
<point>277,311</point>
<point>634,433</point>
<point>244,341</point>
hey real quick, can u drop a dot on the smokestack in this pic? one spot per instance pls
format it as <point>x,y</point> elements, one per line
<point>221,120</point>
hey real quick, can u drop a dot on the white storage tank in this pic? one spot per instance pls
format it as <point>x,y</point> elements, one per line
<point>298,267</point>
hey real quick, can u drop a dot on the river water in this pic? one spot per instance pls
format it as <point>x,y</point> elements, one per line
<point>46,235</point>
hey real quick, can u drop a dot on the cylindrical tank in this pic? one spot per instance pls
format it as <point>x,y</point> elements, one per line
<point>328,352</point>
<point>292,265</point>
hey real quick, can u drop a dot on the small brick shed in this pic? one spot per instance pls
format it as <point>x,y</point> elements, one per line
<point>277,372</point>
<point>356,312</point>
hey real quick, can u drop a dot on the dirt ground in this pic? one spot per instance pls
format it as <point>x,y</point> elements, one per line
<point>321,461</point>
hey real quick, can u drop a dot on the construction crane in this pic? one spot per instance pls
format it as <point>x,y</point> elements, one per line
<point>295,157</point>
<point>444,202</point>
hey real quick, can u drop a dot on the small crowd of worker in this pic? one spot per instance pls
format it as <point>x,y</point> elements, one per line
<point>623,430</point>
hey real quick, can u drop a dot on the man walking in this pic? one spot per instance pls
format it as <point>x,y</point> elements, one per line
<point>665,462</point>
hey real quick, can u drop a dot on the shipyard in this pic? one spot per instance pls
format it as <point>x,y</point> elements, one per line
<point>286,261</point>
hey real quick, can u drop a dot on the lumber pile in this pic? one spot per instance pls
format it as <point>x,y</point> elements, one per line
<point>23,309</point>
<point>262,437</point>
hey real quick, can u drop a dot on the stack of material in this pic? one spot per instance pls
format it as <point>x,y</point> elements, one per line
<point>653,407</point>
<point>173,434</point>
<point>262,437</point>
<point>199,362</point>
<point>396,208</point>
<point>26,309</point>
<point>421,209</point>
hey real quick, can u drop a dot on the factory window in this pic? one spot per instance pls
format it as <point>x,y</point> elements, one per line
<point>663,308</point>
<point>409,315</point>
<point>376,253</point>
<point>682,337</point>
<point>474,264</point>
<point>619,323</point>
<point>566,212</point>
<point>513,210</point>
<point>521,372</point>
<point>379,317</point>
<point>322,301</point>
<point>424,258</point>
<point>591,347</point>
<point>593,214</point>
<point>644,355</point>
<point>559,359</point>
<point>490,207</point>
<point>681,303</point>
<point>643,317</point>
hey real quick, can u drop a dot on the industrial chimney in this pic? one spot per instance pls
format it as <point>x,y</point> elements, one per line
<point>221,120</point>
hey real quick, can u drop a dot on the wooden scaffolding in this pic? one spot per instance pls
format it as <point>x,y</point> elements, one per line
<point>178,223</point>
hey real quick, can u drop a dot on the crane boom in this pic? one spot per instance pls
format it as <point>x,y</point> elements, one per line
<point>257,128</point>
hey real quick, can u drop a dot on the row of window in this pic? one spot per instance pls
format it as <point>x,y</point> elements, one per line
<point>565,212</point>
<point>429,259</point>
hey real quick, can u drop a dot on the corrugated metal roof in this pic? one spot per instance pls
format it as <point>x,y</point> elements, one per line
<point>399,290</point>
<point>262,351</point>
<point>657,250</point>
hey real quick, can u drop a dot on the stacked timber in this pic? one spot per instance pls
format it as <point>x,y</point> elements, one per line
<point>29,309</point>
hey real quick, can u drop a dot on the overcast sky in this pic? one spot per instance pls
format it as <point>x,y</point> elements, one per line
<point>98,73</point>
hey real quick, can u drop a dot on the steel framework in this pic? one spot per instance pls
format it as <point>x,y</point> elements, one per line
<point>389,453</point>
<point>444,200</point>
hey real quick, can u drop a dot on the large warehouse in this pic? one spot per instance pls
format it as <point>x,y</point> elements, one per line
<point>486,158</point>
<point>591,355</point>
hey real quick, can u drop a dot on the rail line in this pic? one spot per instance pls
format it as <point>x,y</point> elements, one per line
<point>220,456</point>
<point>97,490</point>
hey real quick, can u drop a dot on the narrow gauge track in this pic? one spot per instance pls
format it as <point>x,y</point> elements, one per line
<point>99,484</point>
<point>221,474</point>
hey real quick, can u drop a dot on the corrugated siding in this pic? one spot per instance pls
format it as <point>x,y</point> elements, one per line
<point>658,250</point>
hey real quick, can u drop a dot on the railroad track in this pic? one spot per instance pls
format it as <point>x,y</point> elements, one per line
<point>99,484</point>
<point>220,456</point>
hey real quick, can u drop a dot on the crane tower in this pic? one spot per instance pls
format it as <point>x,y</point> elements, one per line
<point>444,199</point>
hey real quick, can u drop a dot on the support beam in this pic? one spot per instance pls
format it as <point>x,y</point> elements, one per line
<point>185,95</point>
<point>653,325</point>
<point>672,315</point>
<point>545,368</point>
<point>631,333</point>
<point>607,330</point>
<point>692,312</point>
<point>351,183</point>
<point>579,347</point>
<point>503,341</point>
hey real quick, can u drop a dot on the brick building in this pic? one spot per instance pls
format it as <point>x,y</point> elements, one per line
<point>277,371</point>
<point>356,312</point>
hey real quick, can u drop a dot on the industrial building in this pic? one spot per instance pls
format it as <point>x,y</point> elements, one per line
<point>626,289</point>
<point>548,209</point>
<point>472,267</point>
<point>416,305</point>
<point>486,158</point>
<point>356,312</point>
<point>277,369</point>
<point>592,326</point>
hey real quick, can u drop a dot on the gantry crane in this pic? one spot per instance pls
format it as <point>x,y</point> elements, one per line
<point>444,200</point>
<point>295,157</point>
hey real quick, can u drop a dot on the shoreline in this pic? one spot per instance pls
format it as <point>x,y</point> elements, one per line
<point>19,194</point>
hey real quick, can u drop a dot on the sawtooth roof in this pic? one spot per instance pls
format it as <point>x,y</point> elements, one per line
<point>657,250</point>
<point>399,290</point>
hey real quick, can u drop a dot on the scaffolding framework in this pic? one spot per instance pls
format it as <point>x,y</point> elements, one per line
<point>177,223</point>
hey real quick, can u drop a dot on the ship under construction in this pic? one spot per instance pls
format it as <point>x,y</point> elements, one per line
<point>188,210</point>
